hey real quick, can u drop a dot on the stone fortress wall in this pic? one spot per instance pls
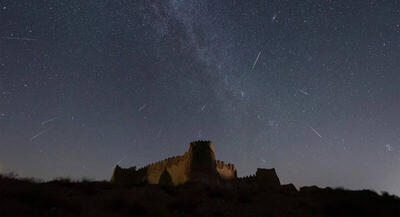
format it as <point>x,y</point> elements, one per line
<point>197,164</point>
<point>200,158</point>
<point>226,171</point>
<point>175,166</point>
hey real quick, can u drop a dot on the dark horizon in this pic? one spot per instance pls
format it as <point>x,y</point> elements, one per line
<point>309,88</point>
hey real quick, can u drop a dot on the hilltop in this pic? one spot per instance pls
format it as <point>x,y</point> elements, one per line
<point>193,184</point>
<point>21,198</point>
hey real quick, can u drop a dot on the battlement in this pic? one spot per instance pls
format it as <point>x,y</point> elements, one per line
<point>197,164</point>
<point>166,162</point>
<point>221,164</point>
<point>201,144</point>
<point>226,171</point>
<point>247,179</point>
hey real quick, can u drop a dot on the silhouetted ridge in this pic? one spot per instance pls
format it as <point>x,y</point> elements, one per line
<point>194,184</point>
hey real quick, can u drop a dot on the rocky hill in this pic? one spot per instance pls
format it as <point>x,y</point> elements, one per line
<point>194,184</point>
<point>22,198</point>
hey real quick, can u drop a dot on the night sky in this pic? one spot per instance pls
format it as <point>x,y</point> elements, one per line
<point>309,87</point>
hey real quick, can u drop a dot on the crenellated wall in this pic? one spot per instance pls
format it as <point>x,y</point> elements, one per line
<point>197,163</point>
<point>175,166</point>
<point>251,179</point>
<point>226,171</point>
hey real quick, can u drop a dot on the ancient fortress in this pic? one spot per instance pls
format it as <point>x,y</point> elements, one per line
<point>198,164</point>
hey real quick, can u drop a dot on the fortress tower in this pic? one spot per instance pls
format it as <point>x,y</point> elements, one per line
<point>201,161</point>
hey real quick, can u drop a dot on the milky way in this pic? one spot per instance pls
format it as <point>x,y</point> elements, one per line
<point>307,87</point>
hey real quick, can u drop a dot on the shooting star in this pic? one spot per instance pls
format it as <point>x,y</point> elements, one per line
<point>20,39</point>
<point>50,120</point>
<point>254,64</point>
<point>39,134</point>
<point>315,131</point>
<point>121,160</point>
<point>142,107</point>
<point>303,92</point>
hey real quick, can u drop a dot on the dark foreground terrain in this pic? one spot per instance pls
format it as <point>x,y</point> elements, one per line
<point>23,197</point>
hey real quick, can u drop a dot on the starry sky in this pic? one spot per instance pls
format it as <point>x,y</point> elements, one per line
<point>309,87</point>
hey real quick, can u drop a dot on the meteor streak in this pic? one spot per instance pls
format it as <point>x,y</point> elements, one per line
<point>121,160</point>
<point>20,39</point>
<point>303,92</point>
<point>254,64</point>
<point>50,120</point>
<point>39,134</point>
<point>315,131</point>
<point>142,107</point>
